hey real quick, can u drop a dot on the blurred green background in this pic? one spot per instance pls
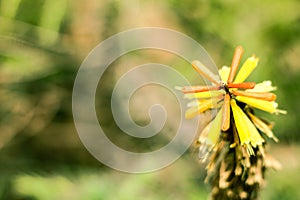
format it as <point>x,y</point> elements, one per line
<point>42,44</point>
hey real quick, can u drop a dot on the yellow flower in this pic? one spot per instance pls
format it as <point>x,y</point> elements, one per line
<point>262,126</point>
<point>265,86</point>
<point>206,94</point>
<point>246,69</point>
<point>201,107</point>
<point>267,106</point>
<point>247,132</point>
<point>232,95</point>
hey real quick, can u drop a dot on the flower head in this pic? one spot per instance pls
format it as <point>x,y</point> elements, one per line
<point>235,101</point>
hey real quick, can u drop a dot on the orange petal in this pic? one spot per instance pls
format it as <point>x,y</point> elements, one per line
<point>235,63</point>
<point>205,72</point>
<point>267,96</point>
<point>226,113</point>
<point>245,85</point>
<point>199,88</point>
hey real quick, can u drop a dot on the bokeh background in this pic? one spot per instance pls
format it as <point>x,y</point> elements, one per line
<point>42,44</point>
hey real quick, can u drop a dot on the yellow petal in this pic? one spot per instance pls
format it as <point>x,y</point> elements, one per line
<point>224,73</point>
<point>214,130</point>
<point>262,126</point>
<point>246,69</point>
<point>243,132</point>
<point>206,94</point>
<point>247,132</point>
<point>265,86</point>
<point>191,112</point>
<point>268,106</point>
<point>196,102</point>
<point>209,136</point>
<point>201,107</point>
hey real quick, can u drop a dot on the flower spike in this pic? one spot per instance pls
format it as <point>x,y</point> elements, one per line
<point>235,135</point>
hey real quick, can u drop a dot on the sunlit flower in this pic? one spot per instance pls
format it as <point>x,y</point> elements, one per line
<point>234,101</point>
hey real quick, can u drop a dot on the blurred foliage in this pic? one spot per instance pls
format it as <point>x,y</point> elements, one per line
<point>111,185</point>
<point>43,42</point>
